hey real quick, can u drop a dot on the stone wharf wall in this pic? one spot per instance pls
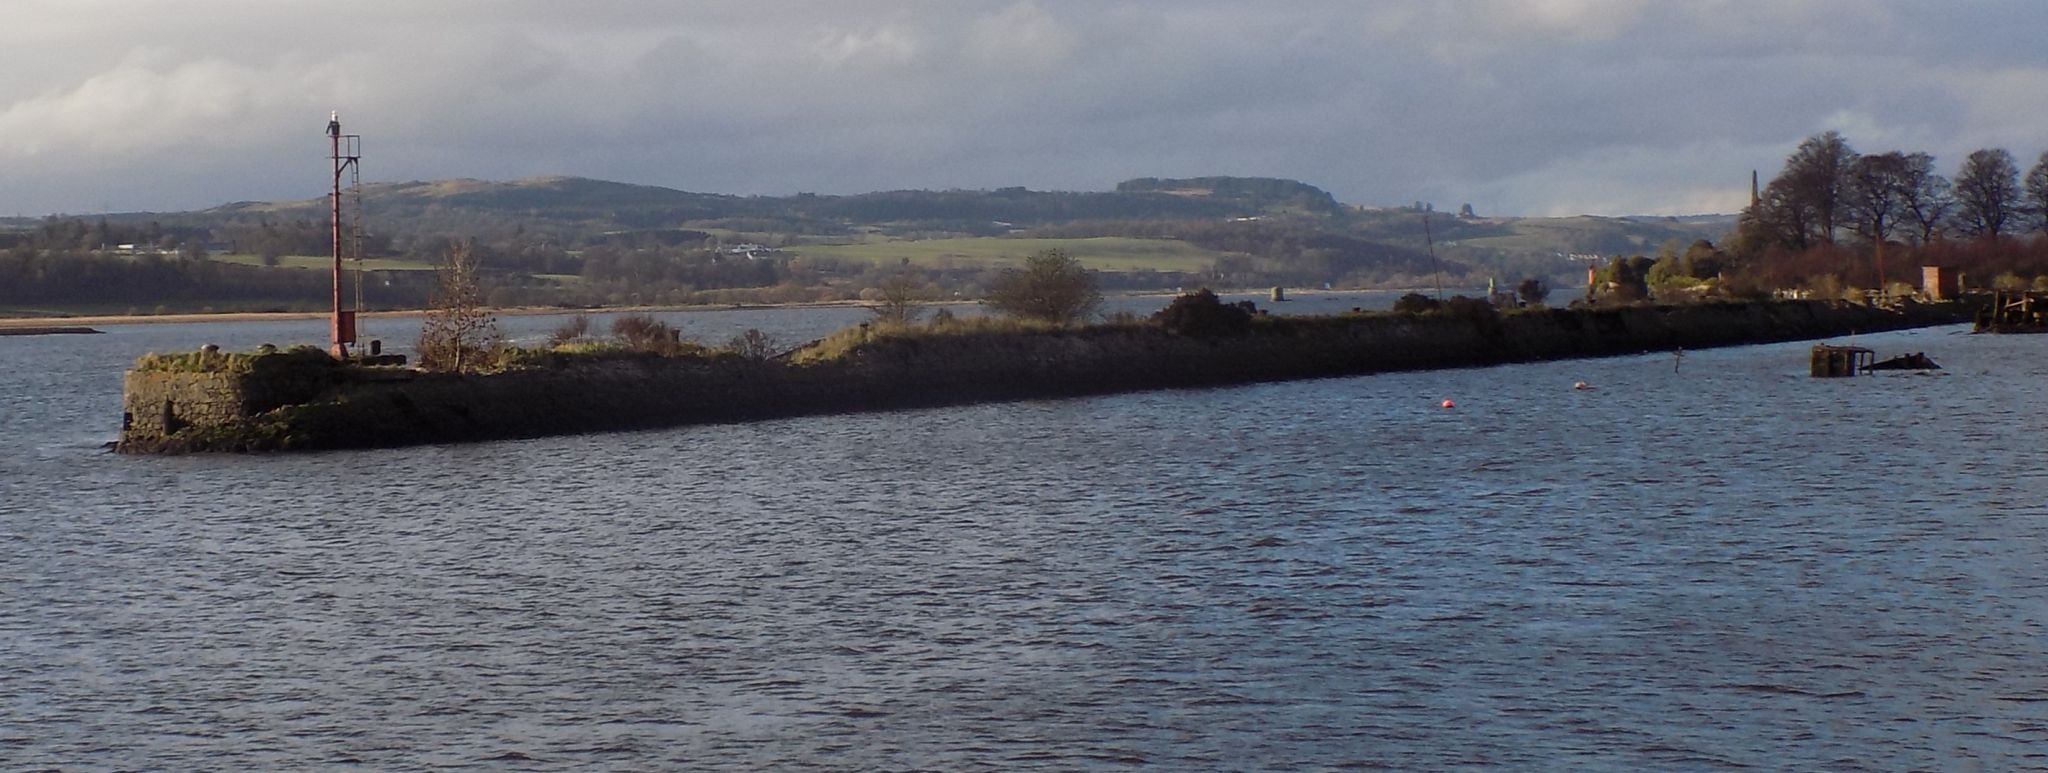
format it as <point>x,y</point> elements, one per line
<point>157,404</point>
<point>927,370</point>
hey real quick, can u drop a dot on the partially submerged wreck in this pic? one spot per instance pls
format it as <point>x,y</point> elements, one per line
<point>1830,361</point>
<point>303,399</point>
<point>1914,361</point>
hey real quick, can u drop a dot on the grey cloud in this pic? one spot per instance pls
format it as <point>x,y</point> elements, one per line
<point>1539,106</point>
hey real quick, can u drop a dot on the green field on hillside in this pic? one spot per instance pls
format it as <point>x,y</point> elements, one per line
<point>1106,254</point>
<point>1604,235</point>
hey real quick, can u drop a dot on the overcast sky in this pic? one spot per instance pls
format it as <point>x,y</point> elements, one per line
<point>1535,107</point>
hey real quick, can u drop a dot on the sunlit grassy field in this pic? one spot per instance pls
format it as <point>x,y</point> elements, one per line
<point>1588,234</point>
<point>1106,253</point>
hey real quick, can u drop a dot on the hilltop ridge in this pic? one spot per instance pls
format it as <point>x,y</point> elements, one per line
<point>578,210</point>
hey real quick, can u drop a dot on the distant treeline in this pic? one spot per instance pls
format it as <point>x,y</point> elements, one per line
<point>668,266</point>
<point>1827,192</point>
<point>575,212</point>
<point>59,277</point>
<point>1836,216</point>
<point>659,274</point>
<point>75,234</point>
<point>265,237</point>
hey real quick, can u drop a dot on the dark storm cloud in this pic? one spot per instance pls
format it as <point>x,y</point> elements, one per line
<point>1518,106</point>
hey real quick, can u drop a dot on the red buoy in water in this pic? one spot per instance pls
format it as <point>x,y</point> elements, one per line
<point>1449,404</point>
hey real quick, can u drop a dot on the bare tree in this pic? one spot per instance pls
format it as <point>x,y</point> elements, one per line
<point>2037,194</point>
<point>899,301</point>
<point>754,345</point>
<point>458,334</point>
<point>644,333</point>
<point>1926,197</point>
<point>1875,201</point>
<point>1778,218</point>
<point>574,330</point>
<point>1987,193</point>
<point>1817,179</point>
<point>1052,286</point>
<point>1808,199</point>
<point>1877,193</point>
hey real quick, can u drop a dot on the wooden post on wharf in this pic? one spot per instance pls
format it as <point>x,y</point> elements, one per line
<point>2015,311</point>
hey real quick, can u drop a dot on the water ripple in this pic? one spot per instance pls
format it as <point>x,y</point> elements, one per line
<point>1732,567</point>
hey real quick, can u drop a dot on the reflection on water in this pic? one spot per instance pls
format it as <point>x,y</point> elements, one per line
<point>1728,565</point>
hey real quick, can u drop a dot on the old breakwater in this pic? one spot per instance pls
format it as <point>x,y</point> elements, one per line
<point>295,401</point>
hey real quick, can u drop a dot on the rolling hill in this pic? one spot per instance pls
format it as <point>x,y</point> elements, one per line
<point>1227,229</point>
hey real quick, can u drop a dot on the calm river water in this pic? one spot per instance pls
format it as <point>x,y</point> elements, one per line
<point>1726,565</point>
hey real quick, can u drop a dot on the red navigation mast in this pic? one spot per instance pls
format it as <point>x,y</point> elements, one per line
<point>346,150</point>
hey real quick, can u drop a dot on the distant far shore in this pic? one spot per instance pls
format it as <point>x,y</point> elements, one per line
<point>44,330</point>
<point>16,323</point>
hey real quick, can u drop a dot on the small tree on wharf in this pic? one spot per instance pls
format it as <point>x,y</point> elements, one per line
<point>458,334</point>
<point>1052,286</point>
<point>898,300</point>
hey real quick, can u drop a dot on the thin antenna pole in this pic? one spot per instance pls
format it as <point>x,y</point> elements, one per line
<point>1429,240</point>
<point>355,237</point>
<point>337,342</point>
<point>341,326</point>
